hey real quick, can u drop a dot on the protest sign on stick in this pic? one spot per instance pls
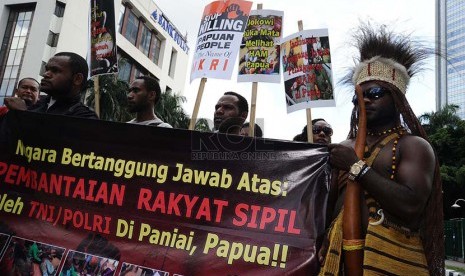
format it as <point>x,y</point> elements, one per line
<point>307,73</point>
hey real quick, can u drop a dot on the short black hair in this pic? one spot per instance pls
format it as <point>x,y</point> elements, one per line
<point>151,84</point>
<point>258,130</point>
<point>78,65</point>
<point>243,105</point>
<point>303,137</point>
<point>21,80</point>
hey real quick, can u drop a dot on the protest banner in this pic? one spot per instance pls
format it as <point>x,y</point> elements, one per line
<point>170,201</point>
<point>308,80</point>
<point>259,51</point>
<point>219,38</point>
<point>103,59</point>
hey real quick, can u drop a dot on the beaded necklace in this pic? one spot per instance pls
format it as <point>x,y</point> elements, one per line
<point>400,131</point>
<point>388,131</point>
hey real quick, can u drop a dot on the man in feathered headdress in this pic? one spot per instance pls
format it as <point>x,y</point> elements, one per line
<point>401,209</point>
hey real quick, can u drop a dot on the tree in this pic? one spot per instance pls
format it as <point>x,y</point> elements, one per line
<point>446,132</point>
<point>169,109</point>
<point>113,98</point>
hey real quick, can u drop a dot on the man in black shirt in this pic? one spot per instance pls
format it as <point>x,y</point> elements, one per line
<point>64,79</point>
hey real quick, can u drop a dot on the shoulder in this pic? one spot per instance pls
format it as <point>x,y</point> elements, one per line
<point>348,143</point>
<point>158,123</point>
<point>416,148</point>
<point>415,143</point>
<point>164,125</point>
<point>82,111</point>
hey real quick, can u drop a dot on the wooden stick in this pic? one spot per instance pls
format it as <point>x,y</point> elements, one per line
<point>309,111</point>
<point>97,95</point>
<point>309,126</point>
<point>253,104</point>
<point>352,219</point>
<point>253,107</point>
<point>197,104</point>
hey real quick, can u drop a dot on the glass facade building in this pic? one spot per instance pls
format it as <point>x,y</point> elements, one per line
<point>450,29</point>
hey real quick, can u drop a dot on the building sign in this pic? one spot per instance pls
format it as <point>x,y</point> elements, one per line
<point>158,17</point>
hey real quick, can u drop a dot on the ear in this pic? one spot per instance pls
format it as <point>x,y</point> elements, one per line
<point>244,115</point>
<point>152,95</point>
<point>78,80</point>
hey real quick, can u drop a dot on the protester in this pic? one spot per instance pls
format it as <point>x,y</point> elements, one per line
<point>64,80</point>
<point>230,113</point>
<point>402,211</point>
<point>321,130</point>
<point>257,131</point>
<point>144,93</point>
<point>27,90</point>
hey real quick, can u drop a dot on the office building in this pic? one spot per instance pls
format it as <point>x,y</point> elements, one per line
<point>450,30</point>
<point>148,43</point>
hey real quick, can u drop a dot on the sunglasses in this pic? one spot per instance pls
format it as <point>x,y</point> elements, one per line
<point>326,130</point>
<point>373,93</point>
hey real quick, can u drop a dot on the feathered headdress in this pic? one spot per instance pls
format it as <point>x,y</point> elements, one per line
<point>385,56</point>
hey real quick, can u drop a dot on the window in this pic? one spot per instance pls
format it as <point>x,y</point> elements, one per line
<point>156,47</point>
<point>122,9</point>
<point>137,72</point>
<point>12,47</point>
<point>132,28</point>
<point>172,67</point>
<point>42,68</point>
<point>145,40</point>
<point>124,72</point>
<point>60,9</point>
<point>52,39</point>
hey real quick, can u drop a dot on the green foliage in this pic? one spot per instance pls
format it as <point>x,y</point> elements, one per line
<point>202,125</point>
<point>169,110</point>
<point>113,99</point>
<point>446,131</point>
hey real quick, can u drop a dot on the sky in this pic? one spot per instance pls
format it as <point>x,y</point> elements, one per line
<point>341,17</point>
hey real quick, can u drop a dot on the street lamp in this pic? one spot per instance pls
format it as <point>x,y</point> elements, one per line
<point>455,205</point>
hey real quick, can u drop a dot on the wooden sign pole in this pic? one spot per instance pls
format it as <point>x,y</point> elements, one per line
<point>309,111</point>
<point>197,104</point>
<point>253,104</point>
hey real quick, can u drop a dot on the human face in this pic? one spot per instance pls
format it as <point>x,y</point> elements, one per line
<point>245,131</point>
<point>227,117</point>
<point>28,90</point>
<point>138,96</point>
<point>58,77</point>
<point>322,133</point>
<point>379,110</point>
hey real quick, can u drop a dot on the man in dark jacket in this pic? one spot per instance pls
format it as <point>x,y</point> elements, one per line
<point>65,77</point>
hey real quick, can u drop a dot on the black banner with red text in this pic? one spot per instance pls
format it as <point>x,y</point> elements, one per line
<point>103,198</point>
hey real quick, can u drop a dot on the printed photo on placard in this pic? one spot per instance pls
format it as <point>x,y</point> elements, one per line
<point>260,49</point>
<point>3,241</point>
<point>136,270</point>
<point>27,257</point>
<point>307,73</point>
<point>87,264</point>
